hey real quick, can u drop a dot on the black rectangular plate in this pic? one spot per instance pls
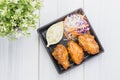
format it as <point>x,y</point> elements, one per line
<point>42,32</point>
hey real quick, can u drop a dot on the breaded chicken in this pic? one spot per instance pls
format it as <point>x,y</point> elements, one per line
<point>88,43</point>
<point>61,55</point>
<point>76,52</point>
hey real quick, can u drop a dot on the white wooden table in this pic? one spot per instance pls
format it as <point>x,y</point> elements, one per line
<point>27,59</point>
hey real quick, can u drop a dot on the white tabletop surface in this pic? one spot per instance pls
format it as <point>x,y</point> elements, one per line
<point>27,59</point>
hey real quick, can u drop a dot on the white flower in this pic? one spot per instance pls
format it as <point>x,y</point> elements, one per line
<point>4,11</point>
<point>33,3</point>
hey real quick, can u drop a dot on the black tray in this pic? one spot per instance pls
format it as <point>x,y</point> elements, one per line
<point>42,32</point>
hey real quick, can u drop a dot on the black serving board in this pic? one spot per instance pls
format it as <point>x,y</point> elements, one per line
<point>42,32</point>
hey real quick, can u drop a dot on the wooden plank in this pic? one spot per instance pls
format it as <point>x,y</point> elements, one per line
<point>65,7</point>
<point>4,71</point>
<point>93,12</point>
<point>47,69</point>
<point>19,59</point>
<point>105,66</point>
<point>110,37</point>
<point>23,58</point>
<point>60,8</point>
<point>48,12</point>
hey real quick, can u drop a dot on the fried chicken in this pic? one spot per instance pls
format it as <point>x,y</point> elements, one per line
<point>88,43</point>
<point>76,52</point>
<point>61,55</point>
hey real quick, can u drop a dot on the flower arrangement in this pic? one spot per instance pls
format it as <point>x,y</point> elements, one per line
<point>17,17</point>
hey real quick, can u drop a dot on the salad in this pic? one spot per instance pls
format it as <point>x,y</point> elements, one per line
<point>74,25</point>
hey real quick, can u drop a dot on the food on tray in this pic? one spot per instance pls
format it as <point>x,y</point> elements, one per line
<point>74,25</point>
<point>72,40</point>
<point>54,33</point>
<point>61,55</point>
<point>88,43</point>
<point>76,52</point>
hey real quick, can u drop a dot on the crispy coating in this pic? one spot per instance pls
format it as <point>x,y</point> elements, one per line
<point>61,55</point>
<point>88,43</point>
<point>76,52</point>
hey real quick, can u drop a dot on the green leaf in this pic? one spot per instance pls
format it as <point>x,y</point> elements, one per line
<point>17,17</point>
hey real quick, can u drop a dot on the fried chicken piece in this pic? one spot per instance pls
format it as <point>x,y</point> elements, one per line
<point>88,43</point>
<point>76,52</point>
<point>61,55</point>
